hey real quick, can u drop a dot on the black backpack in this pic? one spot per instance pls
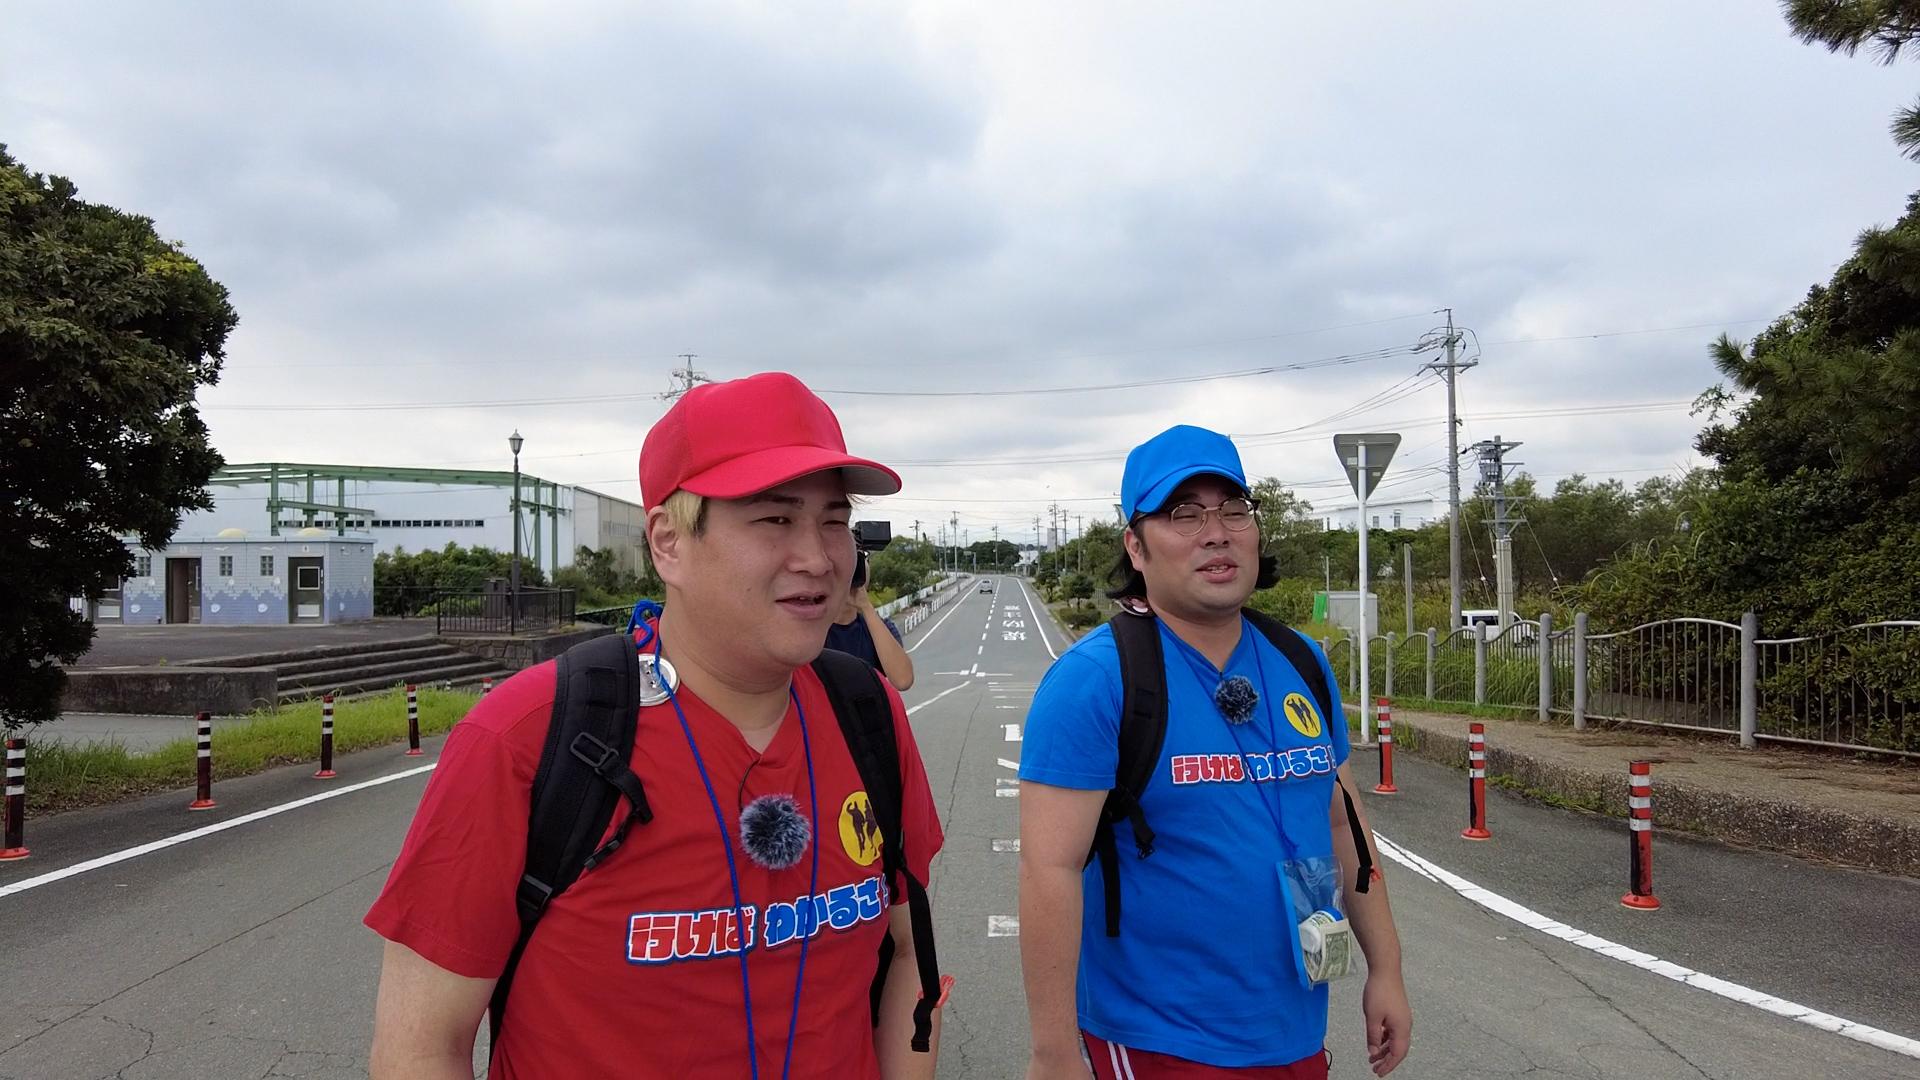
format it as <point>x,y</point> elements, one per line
<point>584,773</point>
<point>1143,731</point>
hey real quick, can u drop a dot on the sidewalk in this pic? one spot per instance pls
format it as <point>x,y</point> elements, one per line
<point>1814,804</point>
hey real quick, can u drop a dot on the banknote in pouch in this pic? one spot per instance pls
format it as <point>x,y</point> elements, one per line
<point>1323,943</point>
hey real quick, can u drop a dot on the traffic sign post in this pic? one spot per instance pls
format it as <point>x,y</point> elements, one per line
<point>1365,457</point>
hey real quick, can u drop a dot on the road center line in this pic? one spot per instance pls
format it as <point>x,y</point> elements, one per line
<point>194,834</point>
<point>1525,916</point>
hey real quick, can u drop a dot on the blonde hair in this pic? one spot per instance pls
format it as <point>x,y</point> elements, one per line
<point>686,512</point>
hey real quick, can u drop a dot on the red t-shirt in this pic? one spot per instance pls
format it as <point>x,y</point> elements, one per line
<point>635,970</point>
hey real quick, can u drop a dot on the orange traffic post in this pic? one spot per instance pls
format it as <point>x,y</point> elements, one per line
<point>413,721</point>
<point>1476,783</point>
<point>1385,786</point>
<point>14,844</point>
<point>1640,838</point>
<point>203,765</point>
<point>326,740</point>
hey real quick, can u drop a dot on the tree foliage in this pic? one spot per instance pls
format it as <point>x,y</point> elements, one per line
<point>403,582</point>
<point>106,333</point>
<point>598,580</point>
<point>1883,27</point>
<point>903,568</point>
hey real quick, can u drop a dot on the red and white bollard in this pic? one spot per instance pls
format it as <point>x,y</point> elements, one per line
<point>413,721</point>
<point>203,765</point>
<point>486,686</point>
<point>1476,783</point>
<point>1385,786</point>
<point>326,740</point>
<point>1640,837</point>
<point>14,845</point>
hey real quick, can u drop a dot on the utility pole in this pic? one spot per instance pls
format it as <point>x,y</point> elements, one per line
<point>916,529</point>
<point>1080,526</point>
<point>684,379</point>
<point>1494,467</point>
<point>1451,372</point>
<point>953,540</point>
<point>1406,573</point>
<point>996,547</point>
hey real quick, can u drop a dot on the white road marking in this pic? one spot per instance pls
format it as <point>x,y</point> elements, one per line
<point>935,626</point>
<point>1038,622</point>
<point>1006,787</point>
<point>1005,764</point>
<point>1525,916</point>
<point>1003,926</point>
<point>941,694</point>
<point>1004,846</point>
<point>1013,732</point>
<point>981,649</point>
<point>194,834</point>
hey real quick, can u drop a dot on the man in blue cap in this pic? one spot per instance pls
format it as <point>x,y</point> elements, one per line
<point>1259,881</point>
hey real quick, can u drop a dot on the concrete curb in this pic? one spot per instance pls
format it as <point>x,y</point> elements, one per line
<point>1864,839</point>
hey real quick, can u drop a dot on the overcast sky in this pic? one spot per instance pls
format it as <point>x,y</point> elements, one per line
<point>472,205</point>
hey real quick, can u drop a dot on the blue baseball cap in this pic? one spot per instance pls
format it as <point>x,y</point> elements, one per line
<point>1158,466</point>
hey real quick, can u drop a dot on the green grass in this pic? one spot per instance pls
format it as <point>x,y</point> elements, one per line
<point>63,777</point>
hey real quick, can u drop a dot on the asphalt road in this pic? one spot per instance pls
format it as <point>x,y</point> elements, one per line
<point>240,953</point>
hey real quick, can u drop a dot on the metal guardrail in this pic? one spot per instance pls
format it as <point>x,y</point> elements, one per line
<point>497,612</point>
<point>1678,673</point>
<point>1857,688</point>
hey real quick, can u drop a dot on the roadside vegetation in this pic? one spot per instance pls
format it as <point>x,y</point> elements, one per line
<point>65,777</point>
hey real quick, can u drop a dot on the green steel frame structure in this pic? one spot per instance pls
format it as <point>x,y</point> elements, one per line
<point>315,480</point>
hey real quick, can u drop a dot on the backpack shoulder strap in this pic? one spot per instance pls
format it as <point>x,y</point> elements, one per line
<point>582,776</point>
<point>866,722</point>
<point>1300,654</point>
<point>1143,730</point>
<point>1306,660</point>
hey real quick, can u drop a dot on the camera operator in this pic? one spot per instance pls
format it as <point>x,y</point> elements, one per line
<point>860,630</point>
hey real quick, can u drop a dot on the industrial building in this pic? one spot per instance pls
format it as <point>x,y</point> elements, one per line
<point>288,542</point>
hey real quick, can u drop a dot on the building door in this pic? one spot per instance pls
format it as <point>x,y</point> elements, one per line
<point>183,590</point>
<point>306,591</point>
<point>107,608</point>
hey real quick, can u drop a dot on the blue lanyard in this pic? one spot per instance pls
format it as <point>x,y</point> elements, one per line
<point>640,613</point>
<point>1203,670</point>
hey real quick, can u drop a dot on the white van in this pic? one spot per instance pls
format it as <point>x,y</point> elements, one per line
<point>1489,620</point>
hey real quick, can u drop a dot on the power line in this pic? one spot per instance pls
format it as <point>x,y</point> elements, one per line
<point>1308,365</point>
<point>692,376</point>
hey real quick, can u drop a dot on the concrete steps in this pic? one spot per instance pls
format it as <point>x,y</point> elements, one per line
<point>367,667</point>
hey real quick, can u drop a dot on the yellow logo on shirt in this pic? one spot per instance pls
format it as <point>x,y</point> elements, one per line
<point>859,829</point>
<point>1302,715</point>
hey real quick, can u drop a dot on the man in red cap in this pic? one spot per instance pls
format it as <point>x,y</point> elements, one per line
<point>736,932</point>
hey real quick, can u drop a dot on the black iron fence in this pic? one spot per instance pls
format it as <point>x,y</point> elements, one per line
<point>500,612</point>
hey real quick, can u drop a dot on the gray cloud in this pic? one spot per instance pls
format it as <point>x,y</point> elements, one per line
<point>448,202</point>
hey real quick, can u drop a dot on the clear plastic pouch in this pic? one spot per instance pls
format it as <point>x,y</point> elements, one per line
<point>1324,948</point>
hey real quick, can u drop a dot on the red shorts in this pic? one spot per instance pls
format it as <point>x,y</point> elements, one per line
<point>1112,1061</point>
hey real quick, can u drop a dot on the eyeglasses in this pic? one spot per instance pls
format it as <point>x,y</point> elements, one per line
<point>1189,518</point>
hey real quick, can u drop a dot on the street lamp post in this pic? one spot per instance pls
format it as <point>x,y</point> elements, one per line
<point>513,619</point>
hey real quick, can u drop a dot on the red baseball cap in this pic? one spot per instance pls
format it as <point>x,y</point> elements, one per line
<point>732,439</point>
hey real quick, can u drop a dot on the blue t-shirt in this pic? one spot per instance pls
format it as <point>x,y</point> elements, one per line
<point>855,638</point>
<point>1203,968</point>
